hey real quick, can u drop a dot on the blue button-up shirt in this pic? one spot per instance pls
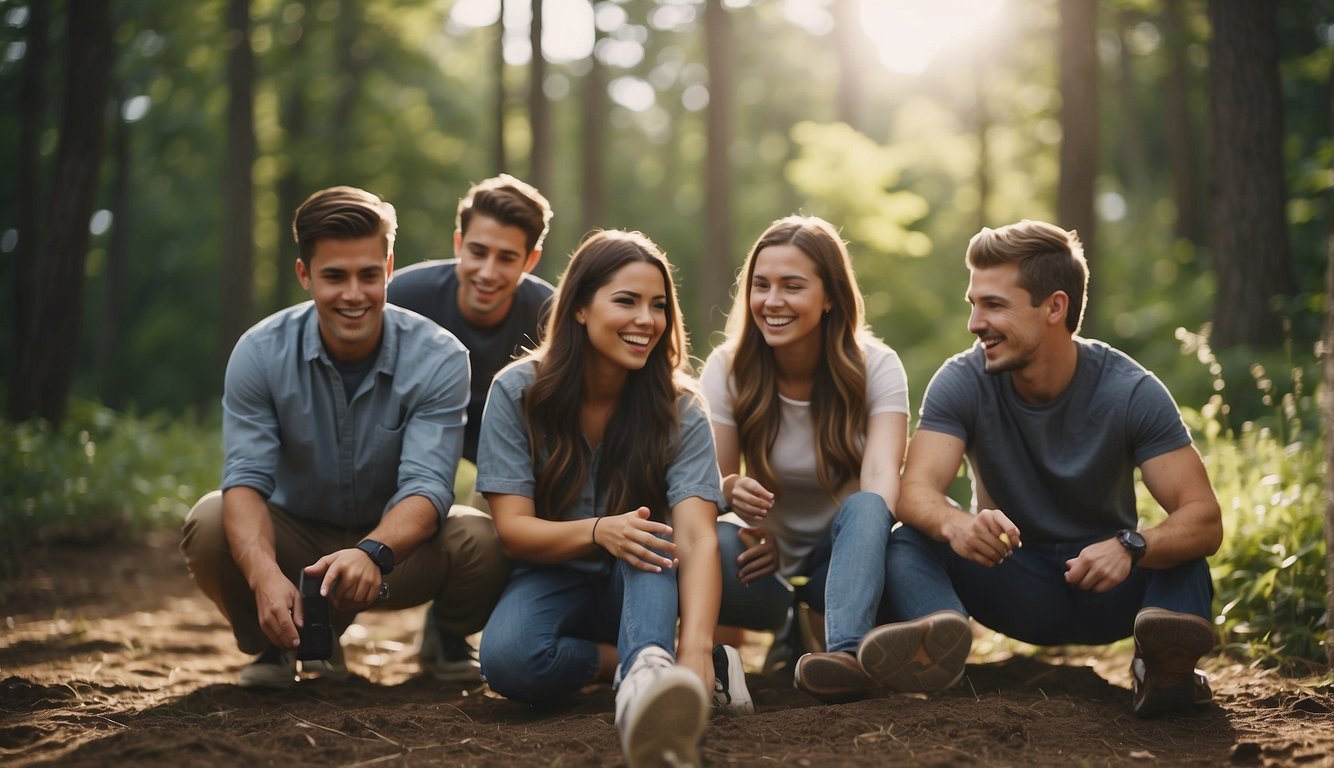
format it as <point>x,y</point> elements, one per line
<point>290,432</point>
<point>504,464</point>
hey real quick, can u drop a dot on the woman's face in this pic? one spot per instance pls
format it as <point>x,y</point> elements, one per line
<point>787,296</point>
<point>627,316</point>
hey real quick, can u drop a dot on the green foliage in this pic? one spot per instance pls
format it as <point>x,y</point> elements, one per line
<point>1269,472</point>
<point>101,474</point>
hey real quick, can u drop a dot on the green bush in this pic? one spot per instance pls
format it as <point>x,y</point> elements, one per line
<point>1269,574</point>
<point>101,474</point>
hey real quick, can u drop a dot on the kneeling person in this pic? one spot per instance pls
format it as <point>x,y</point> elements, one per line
<point>342,428</point>
<point>1052,426</point>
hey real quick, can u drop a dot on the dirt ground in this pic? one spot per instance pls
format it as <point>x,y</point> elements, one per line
<point>109,656</point>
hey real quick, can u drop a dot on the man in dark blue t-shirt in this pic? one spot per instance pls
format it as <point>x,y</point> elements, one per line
<point>487,297</point>
<point>1052,427</point>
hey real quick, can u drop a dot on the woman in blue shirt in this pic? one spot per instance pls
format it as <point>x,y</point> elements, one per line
<point>598,463</point>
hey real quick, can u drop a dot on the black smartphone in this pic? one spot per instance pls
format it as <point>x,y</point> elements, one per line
<point>316,632</point>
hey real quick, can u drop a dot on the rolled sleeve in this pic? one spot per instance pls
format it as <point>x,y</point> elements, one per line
<point>433,435</point>
<point>694,470</point>
<point>504,464</point>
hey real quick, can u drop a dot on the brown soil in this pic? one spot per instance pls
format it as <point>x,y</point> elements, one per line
<point>110,657</point>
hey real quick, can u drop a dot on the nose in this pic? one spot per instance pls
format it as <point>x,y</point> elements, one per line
<point>644,316</point>
<point>975,323</point>
<point>488,270</point>
<point>353,289</point>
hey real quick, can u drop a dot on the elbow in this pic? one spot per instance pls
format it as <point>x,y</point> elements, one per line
<point>1215,534</point>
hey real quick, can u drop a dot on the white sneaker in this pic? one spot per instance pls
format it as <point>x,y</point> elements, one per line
<point>661,711</point>
<point>274,668</point>
<point>730,695</point>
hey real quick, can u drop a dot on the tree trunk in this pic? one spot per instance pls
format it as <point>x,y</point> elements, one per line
<point>1249,228</point>
<point>32,113</point>
<point>291,187</point>
<point>237,262</point>
<point>539,111</point>
<point>1079,121</point>
<point>1130,142</point>
<point>847,38</point>
<point>1327,405</point>
<point>715,273</point>
<point>499,63</point>
<point>352,59</point>
<point>594,147</point>
<point>1179,122</point>
<point>982,124</point>
<point>45,373</point>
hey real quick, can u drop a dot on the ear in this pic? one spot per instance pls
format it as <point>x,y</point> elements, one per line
<point>533,258</point>
<point>458,242</point>
<point>1058,305</point>
<point>303,274</point>
<point>389,266</point>
<point>580,318</point>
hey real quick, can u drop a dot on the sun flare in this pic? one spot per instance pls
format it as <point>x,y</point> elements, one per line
<point>909,34</point>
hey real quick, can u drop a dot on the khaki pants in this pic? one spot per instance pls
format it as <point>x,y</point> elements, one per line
<point>462,568</point>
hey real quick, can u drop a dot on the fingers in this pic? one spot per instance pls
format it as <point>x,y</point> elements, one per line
<point>751,500</point>
<point>639,541</point>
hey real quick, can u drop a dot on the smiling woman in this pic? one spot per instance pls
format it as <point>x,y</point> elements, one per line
<point>910,33</point>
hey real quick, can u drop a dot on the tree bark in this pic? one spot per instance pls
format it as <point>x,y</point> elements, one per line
<point>1179,122</point>
<point>1327,406</point>
<point>32,113</point>
<point>237,262</point>
<point>291,186</point>
<point>115,278</point>
<point>981,125</point>
<point>500,96</point>
<point>1130,141</point>
<point>715,273</point>
<point>594,148</point>
<point>1249,226</point>
<point>539,111</point>
<point>1079,122</point>
<point>847,39</point>
<point>45,374</point>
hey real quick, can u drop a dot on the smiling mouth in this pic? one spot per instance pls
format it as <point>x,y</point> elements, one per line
<point>636,339</point>
<point>778,322</point>
<point>353,314</point>
<point>990,342</point>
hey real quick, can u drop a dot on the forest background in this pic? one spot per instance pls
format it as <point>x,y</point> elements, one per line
<point>155,151</point>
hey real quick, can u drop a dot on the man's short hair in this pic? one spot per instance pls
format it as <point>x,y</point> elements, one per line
<point>342,213</point>
<point>511,202</point>
<point>1050,259</point>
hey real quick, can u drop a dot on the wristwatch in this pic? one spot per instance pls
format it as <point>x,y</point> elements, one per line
<point>1133,542</point>
<point>379,554</point>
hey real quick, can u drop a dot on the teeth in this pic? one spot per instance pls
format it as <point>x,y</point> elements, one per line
<point>636,338</point>
<point>778,322</point>
<point>351,313</point>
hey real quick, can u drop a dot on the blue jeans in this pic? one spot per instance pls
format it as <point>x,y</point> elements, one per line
<point>541,641</point>
<point>847,573</point>
<point>1026,597</point>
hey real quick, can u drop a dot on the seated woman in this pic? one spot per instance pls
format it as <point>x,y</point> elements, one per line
<point>817,409</point>
<point>599,466</point>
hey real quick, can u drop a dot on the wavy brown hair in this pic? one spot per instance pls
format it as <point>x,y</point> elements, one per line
<point>838,392</point>
<point>643,432</point>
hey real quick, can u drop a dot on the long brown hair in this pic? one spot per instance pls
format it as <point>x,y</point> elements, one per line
<point>838,392</point>
<point>642,434</point>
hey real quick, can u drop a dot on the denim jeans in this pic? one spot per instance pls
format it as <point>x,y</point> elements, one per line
<point>541,641</point>
<point>846,572</point>
<point>1026,597</point>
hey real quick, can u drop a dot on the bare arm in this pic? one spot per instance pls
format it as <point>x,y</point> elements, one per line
<point>886,442</point>
<point>699,584</point>
<point>403,529</point>
<point>933,461</point>
<point>249,530</point>
<point>751,501</point>
<point>630,536</point>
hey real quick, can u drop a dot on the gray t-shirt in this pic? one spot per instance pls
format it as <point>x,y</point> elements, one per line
<point>505,466</point>
<point>1064,470</point>
<point>431,288</point>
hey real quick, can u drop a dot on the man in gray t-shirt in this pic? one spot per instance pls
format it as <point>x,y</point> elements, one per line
<point>1053,427</point>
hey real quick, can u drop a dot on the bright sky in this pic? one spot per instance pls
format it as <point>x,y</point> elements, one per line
<point>908,34</point>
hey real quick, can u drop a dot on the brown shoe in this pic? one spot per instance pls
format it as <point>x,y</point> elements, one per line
<point>926,654</point>
<point>832,677</point>
<point>1168,644</point>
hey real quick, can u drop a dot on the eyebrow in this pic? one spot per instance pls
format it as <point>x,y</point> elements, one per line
<point>635,294</point>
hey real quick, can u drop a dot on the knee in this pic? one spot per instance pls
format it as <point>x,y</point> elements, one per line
<point>203,538</point>
<point>867,512</point>
<point>521,667</point>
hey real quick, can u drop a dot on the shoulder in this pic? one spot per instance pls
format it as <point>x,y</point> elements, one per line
<point>718,366</point>
<point>879,355</point>
<point>535,288</point>
<point>418,334</point>
<point>280,329</point>
<point>437,270</point>
<point>516,377</point>
<point>1111,364</point>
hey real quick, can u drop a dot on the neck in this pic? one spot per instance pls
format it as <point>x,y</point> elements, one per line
<point>796,364</point>
<point>1046,377</point>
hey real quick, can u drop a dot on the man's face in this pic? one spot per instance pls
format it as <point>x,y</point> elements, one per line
<point>1003,318</point>
<point>492,260</point>
<point>347,279</point>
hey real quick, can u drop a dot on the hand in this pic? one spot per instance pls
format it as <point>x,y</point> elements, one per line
<point>279,610</point>
<point>1099,566</point>
<point>637,540</point>
<point>751,500</point>
<point>986,538</point>
<point>760,557</point>
<point>699,661</point>
<point>351,579</point>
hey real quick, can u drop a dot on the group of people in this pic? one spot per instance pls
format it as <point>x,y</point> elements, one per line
<point>625,515</point>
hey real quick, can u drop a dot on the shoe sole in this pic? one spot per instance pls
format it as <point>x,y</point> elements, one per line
<point>671,721</point>
<point>1170,644</point>
<point>829,681</point>
<point>918,656</point>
